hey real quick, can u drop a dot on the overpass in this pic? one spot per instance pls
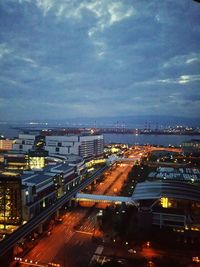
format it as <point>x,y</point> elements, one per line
<point>149,190</point>
<point>131,159</point>
<point>25,229</point>
<point>104,199</point>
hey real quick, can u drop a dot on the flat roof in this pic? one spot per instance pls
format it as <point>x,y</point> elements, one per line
<point>62,167</point>
<point>71,158</point>
<point>103,198</point>
<point>188,174</point>
<point>36,178</point>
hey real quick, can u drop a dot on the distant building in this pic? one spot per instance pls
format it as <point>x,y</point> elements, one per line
<point>36,159</point>
<point>88,146</point>
<point>192,146</point>
<point>25,142</point>
<point>15,161</point>
<point>19,160</point>
<point>6,144</point>
<point>177,174</point>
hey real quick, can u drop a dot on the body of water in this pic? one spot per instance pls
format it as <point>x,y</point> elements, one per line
<point>131,139</point>
<point>142,139</point>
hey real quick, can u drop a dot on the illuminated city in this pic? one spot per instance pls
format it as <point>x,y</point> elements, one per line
<point>99,133</point>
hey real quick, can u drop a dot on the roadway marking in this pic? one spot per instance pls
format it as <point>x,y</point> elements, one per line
<point>83,232</point>
<point>37,255</point>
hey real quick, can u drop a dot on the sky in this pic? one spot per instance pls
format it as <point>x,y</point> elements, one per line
<point>99,58</point>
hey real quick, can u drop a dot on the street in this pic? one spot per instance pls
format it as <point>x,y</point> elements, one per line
<point>70,242</point>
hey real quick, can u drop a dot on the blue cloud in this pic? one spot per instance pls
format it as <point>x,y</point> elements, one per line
<point>62,59</point>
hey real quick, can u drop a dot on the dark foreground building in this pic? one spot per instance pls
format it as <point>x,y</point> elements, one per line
<point>10,200</point>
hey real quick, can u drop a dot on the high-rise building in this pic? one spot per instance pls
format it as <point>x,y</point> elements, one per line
<point>10,200</point>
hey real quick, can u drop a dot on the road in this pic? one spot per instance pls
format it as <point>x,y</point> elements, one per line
<point>111,185</point>
<point>64,244</point>
<point>70,242</point>
<point>114,181</point>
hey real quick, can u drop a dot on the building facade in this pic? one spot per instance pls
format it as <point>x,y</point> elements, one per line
<point>24,160</point>
<point>6,144</point>
<point>173,204</point>
<point>25,142</point>
<point>10,200</point>
<point>192,146</point>
<point>84,146</point>
<point>24,196</point>
<point>43,188</point>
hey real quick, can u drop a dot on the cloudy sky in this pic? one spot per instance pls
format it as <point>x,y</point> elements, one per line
<point>92,58</point>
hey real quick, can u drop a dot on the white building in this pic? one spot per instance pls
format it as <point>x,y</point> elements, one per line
<point>25,142</point>
<point>85,146</point>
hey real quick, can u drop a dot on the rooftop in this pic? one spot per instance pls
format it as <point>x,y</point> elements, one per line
<point>169,189</point>
<point>62,167</point>
<point>36,178</point>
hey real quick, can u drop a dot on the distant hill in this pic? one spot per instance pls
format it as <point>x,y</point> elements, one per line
<point>137,121</point>
<point>149,121</point>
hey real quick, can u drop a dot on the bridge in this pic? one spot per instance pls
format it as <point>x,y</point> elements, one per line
<point>149,190</point>
<point>104,199</point>
<point>131,159</point>
<point>25,229</point>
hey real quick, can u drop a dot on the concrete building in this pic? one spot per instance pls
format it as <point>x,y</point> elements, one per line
<point>192,146</point>
<point>23,196</point>
<point>86,146</point>
<point>42,188</point>
<point>38,192</point>
<point>6,144</point>
<point>10,201</point>
<point>177,174</point>
<point>72,160</point>
<point>15,161</point>
<point>171,204</point>
<point>20,160</point>
<point>25,142</point>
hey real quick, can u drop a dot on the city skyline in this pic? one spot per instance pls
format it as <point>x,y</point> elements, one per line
<point>73,59</point>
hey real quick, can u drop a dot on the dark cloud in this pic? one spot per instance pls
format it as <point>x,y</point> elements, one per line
<point>62,59</point>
